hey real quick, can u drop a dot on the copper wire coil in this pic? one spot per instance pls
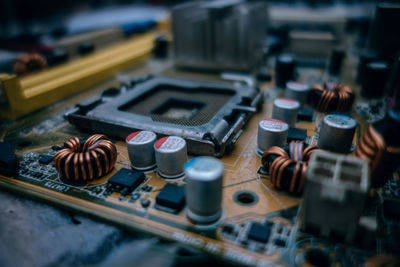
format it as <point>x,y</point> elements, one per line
<point>372,147</point>
<point>86,160</point>
<point>28,63</point>
<point>337,98</point>
<point>288,165</point>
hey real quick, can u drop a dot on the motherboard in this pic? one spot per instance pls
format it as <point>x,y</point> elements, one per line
<point>278,207</point>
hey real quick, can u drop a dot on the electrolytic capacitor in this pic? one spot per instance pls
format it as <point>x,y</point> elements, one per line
<point>336,133</point>
<point>336,61</point>
<point>286,109</point>
<point>171,155</point>
<point>376,76</point>
<point>363,61</point>
<point>141,149</point>
<point>271,132</point>
<point>204,189</point>
<point>297,91</point>
<point>284,69</point>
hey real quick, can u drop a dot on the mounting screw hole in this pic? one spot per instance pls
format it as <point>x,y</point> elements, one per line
<point>245,198</point>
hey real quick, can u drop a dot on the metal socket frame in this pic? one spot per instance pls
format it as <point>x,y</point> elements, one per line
<point>215,137</point>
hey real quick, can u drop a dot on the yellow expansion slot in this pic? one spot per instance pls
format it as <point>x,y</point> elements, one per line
<point>26,94</point>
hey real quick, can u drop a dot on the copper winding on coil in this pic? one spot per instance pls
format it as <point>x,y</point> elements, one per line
<point>338,98</point>
<point>372,148</point>
<point>28,63</point>
<point>287,169</point>
<point>90,160</point>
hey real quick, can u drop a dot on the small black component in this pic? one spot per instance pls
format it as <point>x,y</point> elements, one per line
<point>171,198</point>
<point>147,188</point>
<point>125,180</point>
<point>305,114</point>
<point>317,257</point>
<point>134,197</point>
<point>262,171</point>
<point>110,92</point>
<point>9,163</point>
<point>296,134</point>
<point>280,242</point>
<point>57,148</point>
<point>45,159</point>
<point>228,228</point>
<point>145,202</point>
<point>259,232</point>
<point>96,190</point>
<point>86,48</point>
<point>58,56</point>
<point>391,208</point>
<point>161,46</point>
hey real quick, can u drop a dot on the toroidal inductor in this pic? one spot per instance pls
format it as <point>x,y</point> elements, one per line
<point>287,165</point>
<point>28,63</point>
<point>331,97</point>
<point>86,159</point>
<point>380,146</point>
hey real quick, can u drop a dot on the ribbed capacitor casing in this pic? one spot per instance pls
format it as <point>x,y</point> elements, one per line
<point>286,109</point>
<point>203,186</point>
<point>171,155</point>
<point>297,91</point>
<point>271,132</point>
<point>140,146</point>
<point>336,133</point>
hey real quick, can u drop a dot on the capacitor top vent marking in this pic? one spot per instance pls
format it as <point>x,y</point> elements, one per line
<point>271,132</point>
<point>337,133</point>
<point>141,149</point>
<point>171,155</point>
<point>297,91</point>
<point>286,109</point>
<point>204,177</point>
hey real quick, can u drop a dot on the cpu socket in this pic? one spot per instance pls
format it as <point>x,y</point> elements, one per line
<point>208,115</point>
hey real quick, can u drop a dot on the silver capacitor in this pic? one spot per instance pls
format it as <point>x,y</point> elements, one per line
<point>336,133</point>
<point>286,109</point>
<point>204,189</point>
<point>141,149</point>
<point>297,91</point>
<point>271,132</point>
<point>171,155</point>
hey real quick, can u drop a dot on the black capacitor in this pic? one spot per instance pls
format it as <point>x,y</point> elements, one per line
<point>364,60</point>
<point>382,166</point>
<point>389,127</point>
<point>161,47</point>
<point>376,76</point>
<point>284,69</point>
<point>336,61</point>
<point>384,35</point>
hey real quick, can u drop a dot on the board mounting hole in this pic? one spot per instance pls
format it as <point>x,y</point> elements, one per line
<point>245,198</point>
